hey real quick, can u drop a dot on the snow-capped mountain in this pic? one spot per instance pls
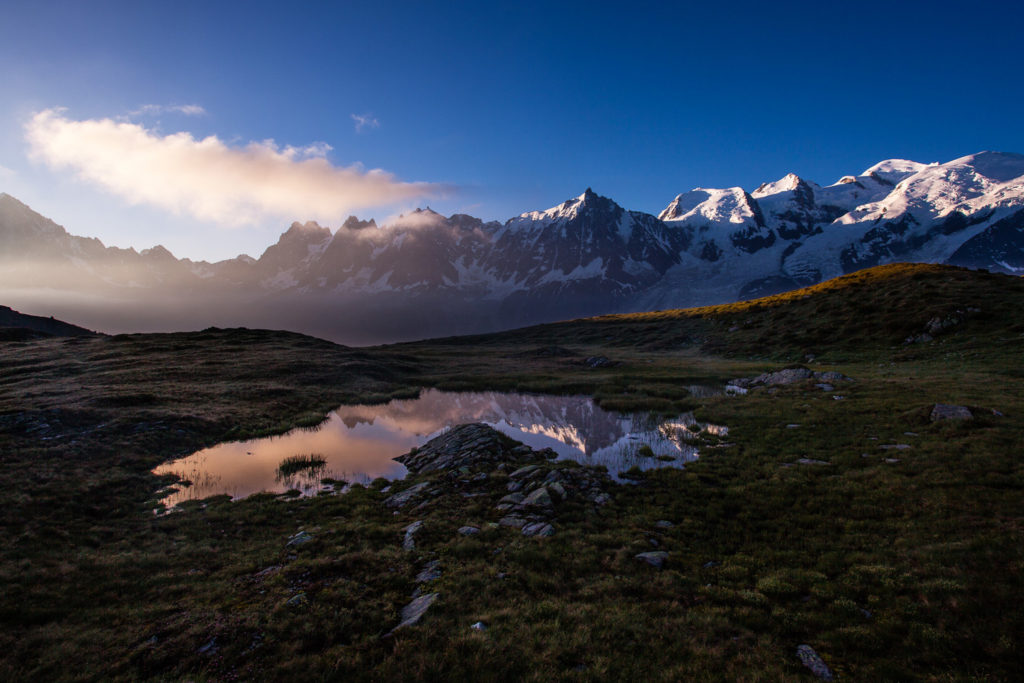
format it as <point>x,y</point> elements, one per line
<point>426,274</point>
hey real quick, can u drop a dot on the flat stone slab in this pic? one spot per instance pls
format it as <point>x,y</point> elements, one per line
<point>402,498</point>
<point>943,411</point>
<point>431,571</point>
<point>415,610</point>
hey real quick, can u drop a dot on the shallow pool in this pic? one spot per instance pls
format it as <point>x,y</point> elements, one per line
<point>358,443</point>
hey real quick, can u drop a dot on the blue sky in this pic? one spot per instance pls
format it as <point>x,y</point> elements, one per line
<point>497,108</point>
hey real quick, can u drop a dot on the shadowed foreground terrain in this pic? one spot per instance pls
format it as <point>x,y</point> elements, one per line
<point>848,520</point>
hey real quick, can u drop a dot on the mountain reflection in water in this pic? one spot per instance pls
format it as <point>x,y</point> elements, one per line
<point>359,442</point>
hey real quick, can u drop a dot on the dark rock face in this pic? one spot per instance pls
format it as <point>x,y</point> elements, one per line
<point>1000,247</point>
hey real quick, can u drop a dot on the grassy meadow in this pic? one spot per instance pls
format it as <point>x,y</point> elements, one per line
<point>902,558</point>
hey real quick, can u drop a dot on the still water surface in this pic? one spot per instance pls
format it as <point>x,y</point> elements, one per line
<point>359,442</point>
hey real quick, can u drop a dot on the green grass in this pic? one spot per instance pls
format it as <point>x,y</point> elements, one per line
<point>908,570</point>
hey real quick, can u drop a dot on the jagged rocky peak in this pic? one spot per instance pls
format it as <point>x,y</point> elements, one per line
<point>18,218</point>
<point>353,223</point>
<point>158,253</point>
<point>418,218</point>
<point>307,230</point>
<point>585,204</point>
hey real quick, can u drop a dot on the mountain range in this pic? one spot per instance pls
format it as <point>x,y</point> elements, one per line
<point>425,274</point>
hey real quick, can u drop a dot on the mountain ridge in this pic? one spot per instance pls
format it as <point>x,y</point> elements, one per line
<point>585,256</point>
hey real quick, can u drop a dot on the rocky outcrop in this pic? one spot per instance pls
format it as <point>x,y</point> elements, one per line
<point>788,376</point>
<point>467,445</point>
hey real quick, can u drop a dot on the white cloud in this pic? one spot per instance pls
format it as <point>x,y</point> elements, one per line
<point>364,121</point>
<point>209,179</point>
<point>154,109</point>
<point>7,172</point>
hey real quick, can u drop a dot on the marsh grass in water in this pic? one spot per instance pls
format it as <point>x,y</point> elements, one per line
<point>294,464</point>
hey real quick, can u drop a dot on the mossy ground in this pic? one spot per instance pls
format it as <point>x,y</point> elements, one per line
<point>907,570</point>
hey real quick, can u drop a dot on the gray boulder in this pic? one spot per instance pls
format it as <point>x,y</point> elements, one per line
<point>943,411</point>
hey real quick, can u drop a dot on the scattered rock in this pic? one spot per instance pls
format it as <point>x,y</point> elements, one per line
<point>298,539</point>
<point>539,498</point>
<point>297,600</point>
<point>415,610</point>
<point>810,659</point>
<point>409,542</point>
<point>811,461</point>
<point>538,529</point>
<point>784,377</point>
<point>469,530</point>
<point>892,461</point>
<point>599,362</point>
<point>512,521</point>
<point>479,626</point>
<point>655,558</point>
<point>792,426</point>
<point>210,648</point>
<point>269,571</point>
<point>557,489</point>
<point>663,524</point>
<point>523,472</point>
<point>894,446</point>
<point>402,498</point>
<point>430,572</point>
<point>942,411</point>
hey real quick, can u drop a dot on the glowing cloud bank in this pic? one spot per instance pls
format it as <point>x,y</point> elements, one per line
<point>209,179</point>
